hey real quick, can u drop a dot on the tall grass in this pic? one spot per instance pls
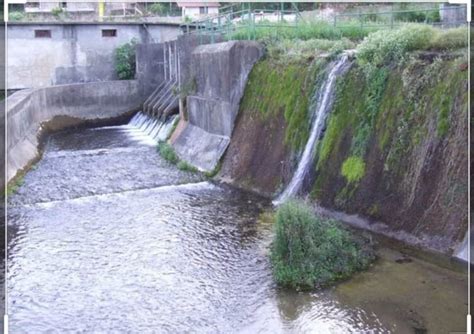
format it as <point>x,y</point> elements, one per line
<point>309,251</point>
<point>302,30</point>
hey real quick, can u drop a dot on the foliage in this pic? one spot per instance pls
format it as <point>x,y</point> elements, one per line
<point>57,11</point>
<point>382,47</point>
<point>406,14</point>
<point>311,252</point>
<point>167,152</point>
<point>14,185</point>
<point>449,39</point>
<point>125,60</point>
<point>157,8</point>
<point>353,169</point>
<point>303,30</point>
<point>184,166</point>
<point>16,16</point>
<point>287,51</point>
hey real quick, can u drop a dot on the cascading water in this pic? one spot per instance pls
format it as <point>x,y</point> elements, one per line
<point>322,103</point>
<point>149,129</point>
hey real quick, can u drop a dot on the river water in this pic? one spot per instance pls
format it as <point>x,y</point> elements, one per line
<point>106,237</point>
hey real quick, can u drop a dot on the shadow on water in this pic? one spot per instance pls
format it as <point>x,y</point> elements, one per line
<point>109,237</point>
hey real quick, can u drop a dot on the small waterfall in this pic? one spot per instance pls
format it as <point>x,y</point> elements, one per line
<point>321,105</point>
<point>149,129</point>
<point>462,251</point>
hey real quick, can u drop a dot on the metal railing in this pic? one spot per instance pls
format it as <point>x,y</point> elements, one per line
<point>232,19</point>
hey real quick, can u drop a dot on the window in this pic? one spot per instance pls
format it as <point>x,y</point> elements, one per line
<point>109,32</point>
<point>63,5</point>
<point>203,10</point>
<point>42,33</point>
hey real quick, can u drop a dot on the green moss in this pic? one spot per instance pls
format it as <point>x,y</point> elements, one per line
<point>443,117</point>
<point>310,252</point>
<point>272,90</point>
<point>353,169</point>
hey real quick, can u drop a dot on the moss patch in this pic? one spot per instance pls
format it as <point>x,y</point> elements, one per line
<point>353,169</point>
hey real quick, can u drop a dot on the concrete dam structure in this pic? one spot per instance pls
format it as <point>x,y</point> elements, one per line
<point>152,196</point>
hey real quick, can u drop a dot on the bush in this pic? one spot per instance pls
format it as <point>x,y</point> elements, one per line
<point>157,8</point>
<point>184,166</point>
<point>311,252</point>
<point>167,152</point>
<point>353,169</point>
<point>450,39</point>
<point>125,60</point>
<point>16,16</point>
<point>385,46</point>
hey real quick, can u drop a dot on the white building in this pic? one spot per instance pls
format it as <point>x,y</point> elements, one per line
<point>197,10</point>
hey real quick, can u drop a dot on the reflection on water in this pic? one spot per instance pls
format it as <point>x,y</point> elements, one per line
<point>142,253</point>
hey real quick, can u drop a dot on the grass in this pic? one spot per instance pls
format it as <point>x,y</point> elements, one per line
<point>387,46</point>
<point>303,30</point>
<point>310,252</point>
<point>168,153</point>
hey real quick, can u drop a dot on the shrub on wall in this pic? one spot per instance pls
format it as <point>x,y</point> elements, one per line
<point>125,60</point>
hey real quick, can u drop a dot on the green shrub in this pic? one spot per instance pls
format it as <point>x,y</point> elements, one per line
<point>57,11</point>
<point>353,169</point>
<point>184,166</point>
<point>167,152</point>
<point>157,8</point>
<point>450,39</point>
<point>385,46</point>
<point>311,252</point>
<point>16,16</point>
<point>125,60</point>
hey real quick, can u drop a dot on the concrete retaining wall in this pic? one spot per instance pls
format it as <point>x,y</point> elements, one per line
<point>29,111</point>
<point>219,72</point>
<point>75,52</point>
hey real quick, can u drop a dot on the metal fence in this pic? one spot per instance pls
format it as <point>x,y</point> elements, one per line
<point>233,19</point>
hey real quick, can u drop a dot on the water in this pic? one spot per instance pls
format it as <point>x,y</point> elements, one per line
<point>322,103</point>
<point>107,237</point>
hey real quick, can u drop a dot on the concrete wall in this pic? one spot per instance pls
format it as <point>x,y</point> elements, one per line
<point>30,110</point>
<point>220,73</point>
<point>74,53</point>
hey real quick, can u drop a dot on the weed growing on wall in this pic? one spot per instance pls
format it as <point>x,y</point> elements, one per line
<point>125,60</point>
<point>310,252</point>
<point>353,169</point>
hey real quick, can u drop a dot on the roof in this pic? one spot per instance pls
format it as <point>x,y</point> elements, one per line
<point>198,4</point>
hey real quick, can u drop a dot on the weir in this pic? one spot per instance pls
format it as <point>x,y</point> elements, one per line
<point>156,129</point>
<point>321,104</point>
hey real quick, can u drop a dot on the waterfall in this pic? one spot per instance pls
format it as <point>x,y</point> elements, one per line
<point>150,129</point>
<point>321,104</point>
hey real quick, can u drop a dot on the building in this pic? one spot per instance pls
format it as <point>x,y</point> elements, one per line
<point>197,10</point>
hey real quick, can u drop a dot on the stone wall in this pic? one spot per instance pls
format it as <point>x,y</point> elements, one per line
<point>33,110</point>
<point>75,52</point>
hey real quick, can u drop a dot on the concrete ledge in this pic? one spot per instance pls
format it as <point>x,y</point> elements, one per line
<point>199,147</point>
<point>29,111</point>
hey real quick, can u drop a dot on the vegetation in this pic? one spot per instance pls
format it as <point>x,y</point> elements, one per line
<point>311,252</point>
<point>16,16</point>
<point>157,8</point>
<point>353,169</point>
<point>303,31</point>
<point>14,185</point>
<point>125,60</point>
<point>168,153</point>
<point>383,47</point>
